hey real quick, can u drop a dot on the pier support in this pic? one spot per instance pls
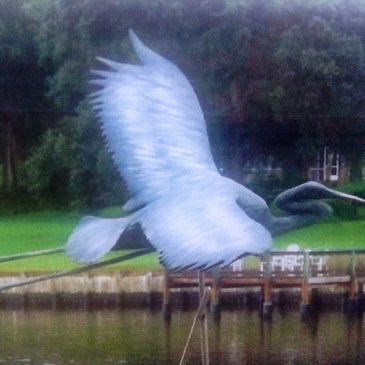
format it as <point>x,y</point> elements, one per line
<point>215,294</point>
<point>350,306</point>
<point>203,321</point>
<point>267,307</point>
<point>351,301</point>
<point>360,298</point>
<point>305,307</point>
<point>166,301</point>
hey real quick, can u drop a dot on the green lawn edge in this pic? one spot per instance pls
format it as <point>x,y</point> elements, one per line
<point>50,229</point>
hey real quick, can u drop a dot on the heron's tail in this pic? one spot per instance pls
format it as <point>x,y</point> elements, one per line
<point>94,237</point>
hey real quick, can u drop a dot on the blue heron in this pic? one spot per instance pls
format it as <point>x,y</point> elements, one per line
<point>194,217</point>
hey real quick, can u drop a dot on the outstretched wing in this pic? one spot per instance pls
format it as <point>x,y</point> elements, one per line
<point>152,122</point>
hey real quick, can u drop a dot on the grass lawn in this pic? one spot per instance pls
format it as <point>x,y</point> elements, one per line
<point>333,234</point>
<point>50,229</point>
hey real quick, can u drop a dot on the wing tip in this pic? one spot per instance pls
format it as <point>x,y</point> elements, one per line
<point>116,66</point>
<point>132,35</point>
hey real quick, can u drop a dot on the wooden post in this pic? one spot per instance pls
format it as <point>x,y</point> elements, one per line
<point>214,301</point>
<point>351,302</point>
<point>360,297</point>
<point>203,322</point>
<point>267,289</point>
<point>353,275</point>
<point>305,306</point>
<point>166,305</point>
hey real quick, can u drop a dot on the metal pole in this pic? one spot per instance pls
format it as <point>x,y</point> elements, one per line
<point>198,315</point>
<point>78,270</point>
<point>26,255</point>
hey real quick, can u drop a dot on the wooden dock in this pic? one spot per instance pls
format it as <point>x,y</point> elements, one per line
<point>304,270</point>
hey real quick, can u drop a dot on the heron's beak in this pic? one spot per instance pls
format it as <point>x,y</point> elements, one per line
<point>330,193</point>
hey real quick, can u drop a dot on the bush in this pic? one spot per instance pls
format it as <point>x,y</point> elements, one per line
<point>344,210</point>
<point>71,167</point>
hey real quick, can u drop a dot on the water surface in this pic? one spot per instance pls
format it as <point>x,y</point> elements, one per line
<point>142,337</point>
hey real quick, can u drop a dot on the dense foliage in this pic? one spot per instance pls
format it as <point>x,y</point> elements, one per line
<point>277,80</point>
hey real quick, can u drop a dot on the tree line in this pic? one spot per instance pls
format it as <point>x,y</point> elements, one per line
<point>277,80</point>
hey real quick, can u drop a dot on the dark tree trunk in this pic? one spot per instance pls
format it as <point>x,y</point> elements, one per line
<point>9,154</point>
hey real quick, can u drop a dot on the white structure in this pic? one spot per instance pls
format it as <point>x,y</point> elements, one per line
<point>294,262</point>
<point>327,166</point>
<point>238,265</point>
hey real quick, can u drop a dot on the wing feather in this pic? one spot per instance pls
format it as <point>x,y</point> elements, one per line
<point>153,123</point>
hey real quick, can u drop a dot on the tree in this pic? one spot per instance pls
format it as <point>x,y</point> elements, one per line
<point>71,167</point>
<point>21,89</point>
<point>276,80</point>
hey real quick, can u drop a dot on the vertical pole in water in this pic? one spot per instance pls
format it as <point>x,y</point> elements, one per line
<point>351,301</point>
<point>305,306</point>
<point>203,322</point>
<point>166,305</point>
<point>215,294</point>
<point>198,318</point>
<point>267,305</point>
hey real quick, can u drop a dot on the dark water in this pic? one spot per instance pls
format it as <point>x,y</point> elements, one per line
<point>142,337</point>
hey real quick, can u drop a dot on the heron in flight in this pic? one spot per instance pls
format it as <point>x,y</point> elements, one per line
<point>194,217</point>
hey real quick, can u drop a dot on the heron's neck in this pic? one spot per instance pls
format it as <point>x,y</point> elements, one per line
<point>280,225</point>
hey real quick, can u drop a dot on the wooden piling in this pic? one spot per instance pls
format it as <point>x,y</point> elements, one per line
<point>203,321</point>
<point>267,288</point>
<point>215,294</point>
<point>306,291</point>
<point>166,297</point>
<point>351,300</point>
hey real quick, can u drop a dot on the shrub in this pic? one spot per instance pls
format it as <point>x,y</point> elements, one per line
<point>71,166</point>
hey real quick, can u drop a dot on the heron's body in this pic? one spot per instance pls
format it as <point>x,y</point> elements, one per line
<point>194,217</point>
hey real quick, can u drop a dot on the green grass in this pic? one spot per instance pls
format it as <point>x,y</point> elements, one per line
<point>35,231</point>
<point>60,262</point>
<point>334,234</point>
<point>50,229</point>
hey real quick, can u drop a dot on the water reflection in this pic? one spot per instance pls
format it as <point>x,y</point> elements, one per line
<point>143,337</point>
